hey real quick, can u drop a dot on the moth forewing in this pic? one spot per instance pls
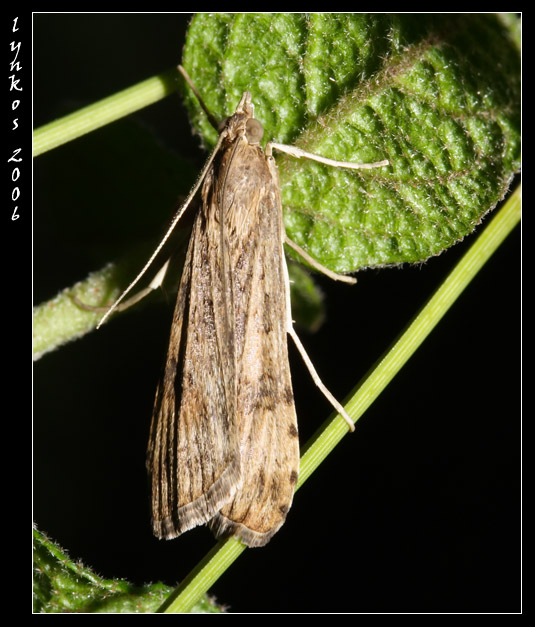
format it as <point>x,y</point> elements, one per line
<point>224,445</point>
<point>193,457</point>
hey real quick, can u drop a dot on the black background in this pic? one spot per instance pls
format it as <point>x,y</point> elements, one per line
<point>417,511</point>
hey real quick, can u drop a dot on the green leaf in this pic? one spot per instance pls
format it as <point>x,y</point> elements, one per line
<point>62,585</point>
<point>436,95</point>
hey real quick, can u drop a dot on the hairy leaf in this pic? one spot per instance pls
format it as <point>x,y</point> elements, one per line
<point>61,585</point>
<point>436,95</point>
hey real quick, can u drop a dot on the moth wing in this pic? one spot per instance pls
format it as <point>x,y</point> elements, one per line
<point>193,454</point>
<point>267,422</point>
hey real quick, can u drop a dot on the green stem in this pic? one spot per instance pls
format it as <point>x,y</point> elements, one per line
<point>225,552</point>
<point>104,111</point>
<point>203,576</point>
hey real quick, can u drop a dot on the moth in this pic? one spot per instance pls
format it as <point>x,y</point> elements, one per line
<point>223,446</point>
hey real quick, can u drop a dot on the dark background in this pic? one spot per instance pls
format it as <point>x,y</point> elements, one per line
<point>417,511</point>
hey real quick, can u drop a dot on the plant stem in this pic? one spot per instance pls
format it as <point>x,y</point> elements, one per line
<point>104,111</point>
<point>203,576</point>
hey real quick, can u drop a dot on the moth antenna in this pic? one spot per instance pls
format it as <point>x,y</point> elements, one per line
<point>174,222</point>
<point>191,85</point>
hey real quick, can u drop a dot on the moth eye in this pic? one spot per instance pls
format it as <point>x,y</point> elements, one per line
<point>222,124</point>
<point>254,131</point>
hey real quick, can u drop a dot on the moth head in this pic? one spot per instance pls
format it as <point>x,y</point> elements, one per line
<point>243,122</point>
<point>253,128</point>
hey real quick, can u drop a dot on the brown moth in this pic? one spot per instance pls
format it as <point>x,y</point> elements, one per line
<point>223,446</point>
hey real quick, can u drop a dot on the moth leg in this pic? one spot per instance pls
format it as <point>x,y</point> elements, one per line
<point>318,266</point>
<point>318,381</point>
<point>299,153</point>
<point>153,285</point>
<point>315,376</point>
